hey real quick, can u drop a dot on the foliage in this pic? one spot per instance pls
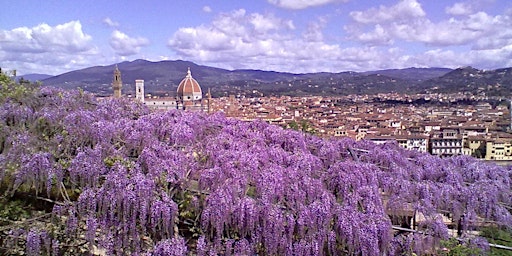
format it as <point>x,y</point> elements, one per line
<point>119,178</point>
<point>9,89</point>
<point>498,236</point>
<point>11,211</point>
<point>303,126</point>
<point>453,247</point>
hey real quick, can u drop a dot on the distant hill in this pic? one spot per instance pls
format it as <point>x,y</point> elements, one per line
<point>470,80</point>
<point>34,77</point>
<point>163,77</point>
<point>158,76</point>
<point>164,72</point>
<point>414,74</point>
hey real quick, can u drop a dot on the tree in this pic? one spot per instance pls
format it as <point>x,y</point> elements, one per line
<point>303,126</point>
<point>10,89</point>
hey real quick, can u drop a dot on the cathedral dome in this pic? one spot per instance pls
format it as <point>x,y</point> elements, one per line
<point>189,88</point>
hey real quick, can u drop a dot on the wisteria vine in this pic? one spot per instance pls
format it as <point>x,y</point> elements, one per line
<point>124,180</point>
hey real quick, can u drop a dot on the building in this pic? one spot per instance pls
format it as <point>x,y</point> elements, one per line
<point>161,103</point>
<point>447,142</point>
<point>499,148</point>
<point>380,139</point>
<point>117,83</point>
<point>475,146</point>
<point>417,142</point>
<point>139,90</point>
<point>189,95</point>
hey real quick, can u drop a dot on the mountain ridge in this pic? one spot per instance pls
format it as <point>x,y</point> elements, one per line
<point>163,77</point>
<point>33,77</point>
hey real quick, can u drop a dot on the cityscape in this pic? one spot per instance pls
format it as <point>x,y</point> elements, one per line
<point>478,130</point>
<point>440,124</point>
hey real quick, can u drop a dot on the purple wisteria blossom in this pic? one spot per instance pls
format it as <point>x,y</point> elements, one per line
<point>126,180</point>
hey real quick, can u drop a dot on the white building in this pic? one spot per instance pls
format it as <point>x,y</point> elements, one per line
<point>189,96</point>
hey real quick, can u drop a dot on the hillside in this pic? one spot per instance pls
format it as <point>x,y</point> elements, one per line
<point>163,77</point>
<point>412,74</point>
<point>33,77</point>
<point>159,76</point>
<point>467,79</point>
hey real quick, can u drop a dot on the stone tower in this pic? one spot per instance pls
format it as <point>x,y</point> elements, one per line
<point>139,90</point>
<point>209,101</point>
<point>117,84</point>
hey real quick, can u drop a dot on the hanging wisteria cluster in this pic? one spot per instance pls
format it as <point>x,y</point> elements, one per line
<point>123,180</point>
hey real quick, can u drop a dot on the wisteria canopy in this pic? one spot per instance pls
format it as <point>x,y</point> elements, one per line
<point>112,177</point>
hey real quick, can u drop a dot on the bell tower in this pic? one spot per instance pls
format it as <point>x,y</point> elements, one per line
<point>139,90</point>
<point>117,84</point>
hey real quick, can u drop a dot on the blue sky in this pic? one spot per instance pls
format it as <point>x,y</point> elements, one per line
<point>298,36</point>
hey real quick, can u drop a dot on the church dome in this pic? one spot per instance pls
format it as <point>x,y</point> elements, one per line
<point>189,88</point>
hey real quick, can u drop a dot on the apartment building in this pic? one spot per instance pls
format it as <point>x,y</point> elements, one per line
<point>499,149</point>
<point>447,142</point>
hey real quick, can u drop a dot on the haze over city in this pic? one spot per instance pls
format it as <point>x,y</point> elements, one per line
<point>53,37</point>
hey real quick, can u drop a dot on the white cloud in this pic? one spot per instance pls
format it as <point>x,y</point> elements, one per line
<point>488,59</point>
<point>468,7</point>
<point>264,24</point>
<point>124,45</point>
<point>379,36</point>
<point>230,32</point>
<point>385,36</point>
<point>242,40</point>
<point>207,9</point>
<point>502,38</point>
<point>46,49</point>
<point>406,21</point>
<point>262,41</point>
<point>67,38</point>
<point>302,4</point>
<point>465,31</point>
<point>314,32</point>
<point>107,21</point>
<point>470,38</point>
<point>492,58</point>
<point>459,9</point>
<point>404,10</point>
